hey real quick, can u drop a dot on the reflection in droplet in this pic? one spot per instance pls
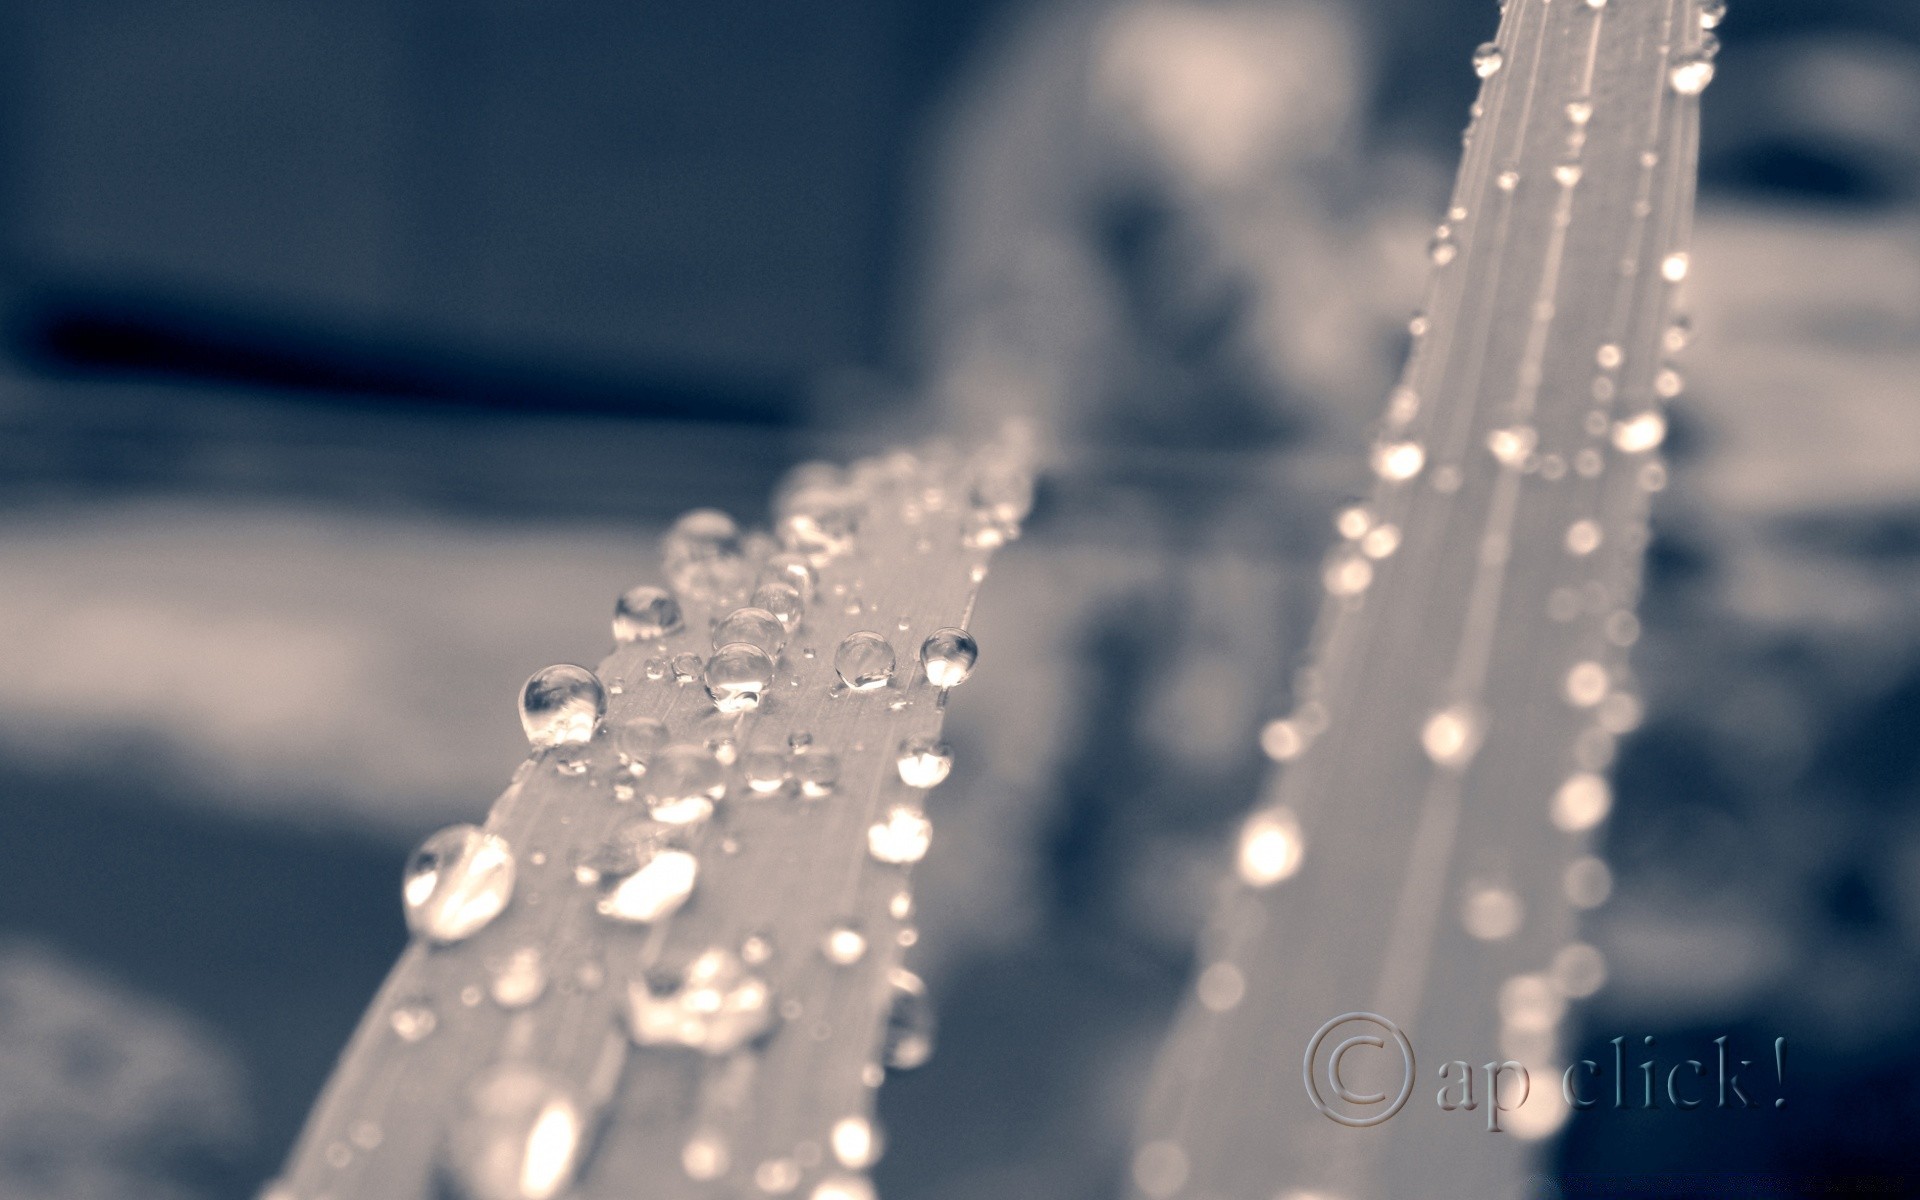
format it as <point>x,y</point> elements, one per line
<point>457,882</point>
<point>645,613</point>
<point>765,770</point>
<point>783,600</point>
<point>738,676</point>
<point>1487,60</point>
<point>518,1136</point>
<point>754,627</point>
<point>864,661</point>
<point>924,762</point>
<point>948,656</point>
<point>1691,73</point>
<point>560,705</point>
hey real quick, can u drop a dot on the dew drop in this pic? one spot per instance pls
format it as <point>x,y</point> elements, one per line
<point>518,1136</point>
<point>924,762</point>
<point>1579,971</point>
<point>1579,111</point>
<point>519,979</point>
<point>1487,60</point>
<point>1678,335</point>
<point>704,1157</point>
<point>752,627</point>
<point>902,838</point>
<point>1442,249</point>
<point>1587,882</point>
<point>1566,174</point>
<point>843,1187</point>
<point>413,1020</point>
<point>777,1176</point>
<point>738,676</point>
<point>1221,987</point>
<point>1491,912</point>
<point>683,784</point>
<point>1271,846</point>
<point>1586,684</point>
<point>765,770</point>
<point>819,517</point>
<point>1398,461</point>
<point>1282,740</point>
<point>844,945</point>
<point>717,1007</point>
<point>1507,180</point>
<point>815,772</point>
<point>687,667</point>
<point>645,613</point>
<point>703,554</point>
<point>909,1036</point>
<point>854,1144</point>
<point>637,741</point>
<point>1583,537</point>
<point>1691,73</point>
<point>642,877</point>
<point>783,601</point>
<point>1353,521</point>
<point>864,661</point>
<point>1640,433</point>
<point>457,882</point>
<point>1511,446</point>
<point>792,569</point>
<point>1582,802</point>
<point>1003,491</point>
<point>1530,1004</point>
<point>1380,541</point>
<point>1348,575</point>
<point>948,656</point>
<point>1673,268</point>
<point>1451,737</point>
<point>560,705</point>
<point>1712,12</point>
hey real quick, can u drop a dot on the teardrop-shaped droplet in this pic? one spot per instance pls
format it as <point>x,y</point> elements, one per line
<point>519,1135</point>
<point>704,558</point>
<point>752,626</point>
<point>924,762</point>
<point>738,676</point>
<point>519,979</point>
<point>645,613</point>
<point>456,882</point>
<point>683,785</point>
<point>902,838</point>
<point>948,656</point>
<point>560,705</point>
<point>1487,60</point>
<point>815,772</point>
<point>717,1007</point>
<point>864,660</point>
<point>783,600</point>
<point>910,1022</point>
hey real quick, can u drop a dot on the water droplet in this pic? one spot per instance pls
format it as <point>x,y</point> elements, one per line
<point>1678,335</point>
<point>777,1176</point>
<point>1587,882</point>
<point>519,979</point>
<point>752,627</point>
<point>902,838</point>
<point>1640,433</point>
<point>1507,180</point>
<point>854,1144</point>
<point>1668,383</point>
<point>413,1020</point>
<point>1442,249</point>
<point>645,613</point>
<point>1596,4</point>
<point>1579,971</point>
<point>1487,60</point>
<point>924,762</point>
<point>1586,684</point>
<point>1583,537</point>
<point>655,668</point>
<point>717,1007</point>
<point>1691,73</point>
<point>560,705</point>
<point>456,882</point>
<point>704,1156</point>
<point>815,772</point>
<point>1491,912</point>
<point>783,600</point>
<point>683,784</point>
<point>765,770</point>
<point>738,676</point>
<point>1353,521</point>
<point>864,660</point>
<point>1712,12</point>
<point>948,656</point>
<point>1566,174</point>
<point>1451,737</point>
<point>909,1037</point>
<point>1398,461</point>
<point>518,1136</point>
<point>843,1187</point>
<point>1579,111</point>
<point>1380,541</point>
<point>1512,446</point>
<point>1673,268</point>
<point>637,741</point>
<point>1582,802</point>
<point>818,518</point>
<point>1348,574</point>
<point>703,554</point>
<point>1271,846</point>
<point>1623,628</point>
<point>844,944</point>
<point>1530,1003</point>
<point>1282,740</point>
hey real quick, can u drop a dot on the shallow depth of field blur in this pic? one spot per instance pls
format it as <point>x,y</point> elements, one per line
<point>355,354</point>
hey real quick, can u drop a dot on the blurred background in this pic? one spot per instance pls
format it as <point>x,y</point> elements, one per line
<point>354,354</point>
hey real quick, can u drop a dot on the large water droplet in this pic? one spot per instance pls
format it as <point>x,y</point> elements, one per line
<point>519,979</point>
<point>738,676</point>
<point>909,1037</point>
<point>924,762</point>
<point>657,886</point>
<point>518,1136</point>
<point>717,1007</point>
<point>1487,60</point>
<point>456,882</point>
<point>783,600</point>
<point>902,838</point>
<point>948,656</point>
<point>1271,846</point>
<point>864,660</point>
<point>560,705</point>
<point>792,568</point>
<point>1712,12</point>
<point>645,613</point>
<point>703,554</point>
<point>752,627</point>
<point>683,784</point>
